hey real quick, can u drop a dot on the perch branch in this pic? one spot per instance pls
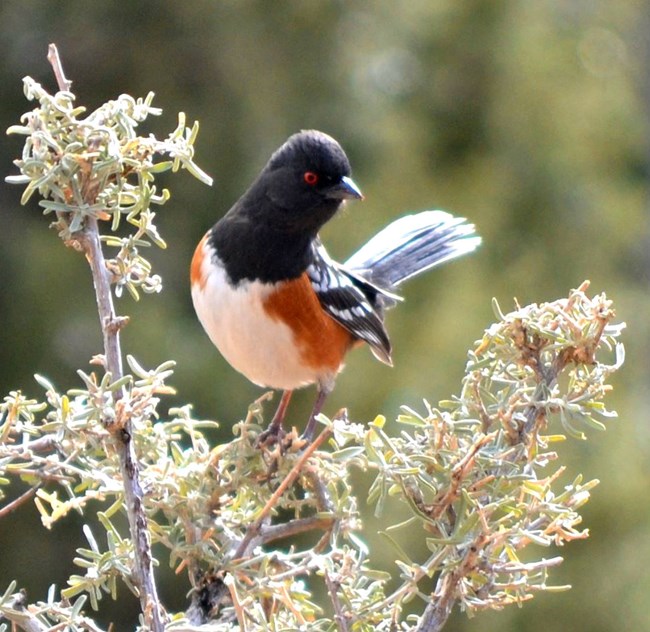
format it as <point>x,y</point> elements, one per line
<point>111,325</point>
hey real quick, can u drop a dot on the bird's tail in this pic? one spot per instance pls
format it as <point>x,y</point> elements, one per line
<point>411,245</point>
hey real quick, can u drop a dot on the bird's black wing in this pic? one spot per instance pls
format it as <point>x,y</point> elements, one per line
<point>350,301</point>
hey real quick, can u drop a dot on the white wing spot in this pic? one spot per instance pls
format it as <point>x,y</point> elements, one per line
<point>343,314</point>
<point>332,279</point>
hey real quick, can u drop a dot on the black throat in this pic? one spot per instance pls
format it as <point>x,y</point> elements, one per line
<point>256,251</point>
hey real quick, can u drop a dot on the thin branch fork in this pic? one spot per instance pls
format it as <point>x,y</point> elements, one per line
<point>437,612</point>
<point>254,529</point>
<point>342,619</point>
<point>110,325</point>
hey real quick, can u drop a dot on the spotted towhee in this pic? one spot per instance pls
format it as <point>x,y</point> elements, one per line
<point>278,308</point>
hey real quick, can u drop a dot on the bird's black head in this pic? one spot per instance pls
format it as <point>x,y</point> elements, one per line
<point>305,181</point>
<point>267,235</point>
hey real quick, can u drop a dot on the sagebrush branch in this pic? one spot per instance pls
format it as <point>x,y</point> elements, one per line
<point>89,239</point>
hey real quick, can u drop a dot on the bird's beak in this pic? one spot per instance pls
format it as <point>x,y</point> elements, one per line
<point>346,189</point>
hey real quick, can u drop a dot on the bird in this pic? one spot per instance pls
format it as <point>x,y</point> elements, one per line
<point>278,308</point>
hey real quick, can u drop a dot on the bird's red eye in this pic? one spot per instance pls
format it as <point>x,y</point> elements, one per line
<point>311,178</point>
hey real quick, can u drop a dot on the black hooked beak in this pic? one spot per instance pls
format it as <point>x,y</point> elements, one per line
<point>346,189</point>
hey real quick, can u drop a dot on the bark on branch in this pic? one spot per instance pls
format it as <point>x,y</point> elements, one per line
<point>89,240</point>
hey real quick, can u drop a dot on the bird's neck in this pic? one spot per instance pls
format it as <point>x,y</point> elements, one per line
<point>251,251</point>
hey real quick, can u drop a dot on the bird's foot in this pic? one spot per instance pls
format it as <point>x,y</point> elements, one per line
<point>275,445</point>
<point>274,435</point>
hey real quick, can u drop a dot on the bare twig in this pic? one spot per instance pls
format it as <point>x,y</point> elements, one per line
<point>55,61</point>
<point>339,616</point>
<point>111,334</point>
<point>14,504</point>
<point>240,612</point>
<point>43,444</point>
<point>254,529</point>
<point>111,325</point>
<point>269,533</point>
<point>27,449</point>
<point>447,496</point>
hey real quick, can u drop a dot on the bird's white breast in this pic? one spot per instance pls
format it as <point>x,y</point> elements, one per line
<point>256,345</point>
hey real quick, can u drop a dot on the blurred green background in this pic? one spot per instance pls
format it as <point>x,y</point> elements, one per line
<point>530,117</point>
